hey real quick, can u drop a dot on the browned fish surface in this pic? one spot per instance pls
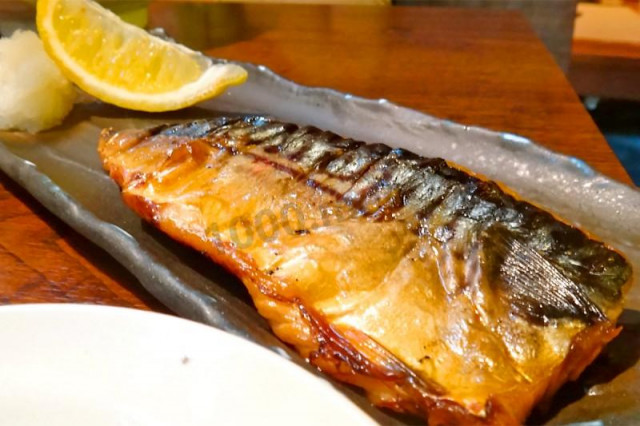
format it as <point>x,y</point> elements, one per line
<point>433,290</point>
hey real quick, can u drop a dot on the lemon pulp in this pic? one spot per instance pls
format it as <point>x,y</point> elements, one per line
<point>124,65</point>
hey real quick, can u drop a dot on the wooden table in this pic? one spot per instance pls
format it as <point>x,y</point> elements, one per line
<point>477,67</point>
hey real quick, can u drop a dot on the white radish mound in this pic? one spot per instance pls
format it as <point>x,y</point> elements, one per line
<point>34,94</point>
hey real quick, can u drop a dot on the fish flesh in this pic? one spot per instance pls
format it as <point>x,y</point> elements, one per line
<point>435,290</point>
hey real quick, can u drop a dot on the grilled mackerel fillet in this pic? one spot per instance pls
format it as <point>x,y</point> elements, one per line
<point>433,290</point>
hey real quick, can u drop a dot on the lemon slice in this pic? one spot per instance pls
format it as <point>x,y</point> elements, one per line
<point>123,64</point>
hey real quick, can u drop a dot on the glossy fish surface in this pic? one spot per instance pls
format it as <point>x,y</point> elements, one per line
<point>435,291</point>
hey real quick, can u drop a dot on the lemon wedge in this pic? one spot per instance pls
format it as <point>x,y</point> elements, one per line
<point>124,65</point>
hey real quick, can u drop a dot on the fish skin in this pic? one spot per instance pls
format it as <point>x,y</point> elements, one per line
<point>436,291</point>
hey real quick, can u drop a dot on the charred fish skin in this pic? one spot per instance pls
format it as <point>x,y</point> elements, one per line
<point>538,255</point>
<point>434,290</point>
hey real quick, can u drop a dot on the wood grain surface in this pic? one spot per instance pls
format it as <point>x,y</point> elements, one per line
<point>44,260</point>
<point>477,67</point>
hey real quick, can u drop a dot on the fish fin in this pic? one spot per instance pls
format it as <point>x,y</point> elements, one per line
<point>534,287</point>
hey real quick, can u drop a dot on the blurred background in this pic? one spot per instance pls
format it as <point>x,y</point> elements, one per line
<point>597,44</point>
<point>605,70</point>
